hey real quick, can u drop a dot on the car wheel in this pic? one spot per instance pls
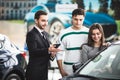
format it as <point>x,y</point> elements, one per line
<point>13,77</point>
<point>54,30</point>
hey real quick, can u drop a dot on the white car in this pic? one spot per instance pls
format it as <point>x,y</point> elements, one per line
<point>12,60</point>
<point>104,66</point>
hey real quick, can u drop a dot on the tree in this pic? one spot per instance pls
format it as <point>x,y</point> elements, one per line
<point>90,7</point>
<point>115,6</point>
<point>73,1</point>
<point>79,2</point>
<point>103,6</point>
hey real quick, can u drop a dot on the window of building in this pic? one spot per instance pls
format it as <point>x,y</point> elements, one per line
<point>7,17</point>
<point>11,11</point>
<point>7,4</point>
<point>20,4</point>
<point>24,5</point>
<point>16,11</point>
<point>2,11</point>
<point>7,11</point>
<point>32,4</point>
<point>11,16</point>
<point>24,11</point>
<point>16,6</point>
<point>2,4</point>
<point>28,10</point>
<point>11,4</point>
<point>2,17</point>
<point>20,16</point>
<point>29,4</point>
<point>20,11</point>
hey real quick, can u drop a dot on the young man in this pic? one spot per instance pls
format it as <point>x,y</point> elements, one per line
<point>71,40</point>
<point>39,49</point>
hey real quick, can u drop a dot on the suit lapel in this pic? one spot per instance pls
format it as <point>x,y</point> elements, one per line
<point>45,42</point>
<point>47,37</point>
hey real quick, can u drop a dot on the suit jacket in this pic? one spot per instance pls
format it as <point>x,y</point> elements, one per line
<point>39,56</point>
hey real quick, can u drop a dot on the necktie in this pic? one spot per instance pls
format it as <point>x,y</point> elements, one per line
<point>45,38</point>
<point>43,35</point>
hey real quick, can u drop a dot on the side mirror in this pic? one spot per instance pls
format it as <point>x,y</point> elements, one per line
<point>76,66</point>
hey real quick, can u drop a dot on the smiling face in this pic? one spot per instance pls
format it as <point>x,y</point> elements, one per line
<point>96,35</point>
<point>42,22</point>
<point>41,19</point>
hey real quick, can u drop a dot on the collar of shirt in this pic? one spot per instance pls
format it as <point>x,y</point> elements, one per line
<point>39,30</point>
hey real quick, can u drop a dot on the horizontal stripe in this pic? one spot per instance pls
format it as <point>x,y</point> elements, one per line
<point>71,33</point>
<point>75,48</point>
<point>68,63</point>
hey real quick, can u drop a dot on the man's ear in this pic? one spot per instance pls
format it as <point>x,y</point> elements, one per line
<point>36,21</point>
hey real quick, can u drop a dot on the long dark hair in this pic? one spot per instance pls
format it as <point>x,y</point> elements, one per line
<point>90,40</point>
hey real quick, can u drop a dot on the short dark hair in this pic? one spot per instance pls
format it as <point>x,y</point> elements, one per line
<point>39,13</point>
<point>78,11</point>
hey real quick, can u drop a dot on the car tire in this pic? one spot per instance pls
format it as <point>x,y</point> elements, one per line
<point>54,30</point>
<point>13,77</point>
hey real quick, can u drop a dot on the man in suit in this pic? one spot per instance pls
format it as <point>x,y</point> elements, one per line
<point>39,49</point>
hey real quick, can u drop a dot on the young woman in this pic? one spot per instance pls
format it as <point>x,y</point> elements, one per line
<point>95,43</point>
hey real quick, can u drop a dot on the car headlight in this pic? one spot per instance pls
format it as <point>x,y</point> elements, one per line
<point>4,58</point>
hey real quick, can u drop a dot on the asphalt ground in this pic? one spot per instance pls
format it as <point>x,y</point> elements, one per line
<point>16,32</point>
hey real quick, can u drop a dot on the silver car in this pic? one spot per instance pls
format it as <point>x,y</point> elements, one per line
<point>12,60</point>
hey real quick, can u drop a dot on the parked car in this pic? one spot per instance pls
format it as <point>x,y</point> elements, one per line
<point>60,20</point>
<point>12,60</point>
<point>104,66</point>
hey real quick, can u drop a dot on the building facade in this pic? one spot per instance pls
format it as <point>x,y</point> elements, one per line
<point>15,9</point>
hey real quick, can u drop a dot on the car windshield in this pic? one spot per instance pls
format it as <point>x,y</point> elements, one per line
<point>106,65</point>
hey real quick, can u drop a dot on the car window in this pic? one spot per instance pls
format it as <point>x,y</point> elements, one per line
<point>105,65</point>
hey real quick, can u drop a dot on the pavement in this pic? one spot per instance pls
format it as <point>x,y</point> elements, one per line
<point>17,34</point>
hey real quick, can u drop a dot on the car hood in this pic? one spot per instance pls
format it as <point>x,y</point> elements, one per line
<point>82,77</point>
